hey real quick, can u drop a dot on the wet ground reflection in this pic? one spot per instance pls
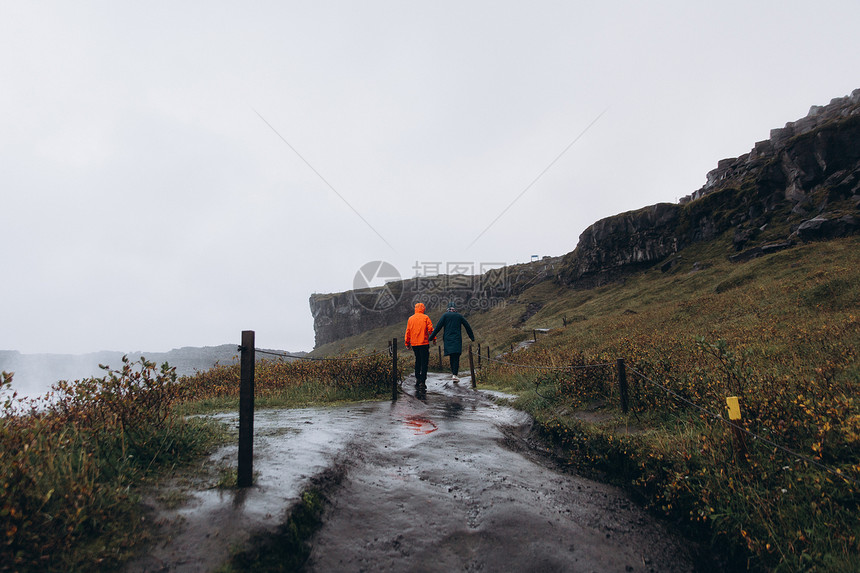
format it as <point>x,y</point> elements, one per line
<point>292,446</point>
<point>421,425</point>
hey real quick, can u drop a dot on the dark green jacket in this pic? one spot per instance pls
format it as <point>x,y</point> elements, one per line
<point>451,322</point>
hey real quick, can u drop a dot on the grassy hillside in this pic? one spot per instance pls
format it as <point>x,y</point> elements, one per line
<point>809,283</point>
<point>780,332</point>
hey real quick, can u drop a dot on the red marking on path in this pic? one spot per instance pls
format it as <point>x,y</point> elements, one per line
<point>421,425</point>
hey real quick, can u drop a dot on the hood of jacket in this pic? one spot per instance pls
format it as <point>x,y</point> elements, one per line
<point>418,327</point>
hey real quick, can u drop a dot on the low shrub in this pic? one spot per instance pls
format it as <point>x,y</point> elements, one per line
<point>71,460</point>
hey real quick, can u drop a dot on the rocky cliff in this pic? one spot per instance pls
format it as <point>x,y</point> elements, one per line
<point>801,184</point>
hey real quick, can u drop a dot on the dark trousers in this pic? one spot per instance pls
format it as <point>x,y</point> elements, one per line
<point>422,360</point>
<point>455,362</point>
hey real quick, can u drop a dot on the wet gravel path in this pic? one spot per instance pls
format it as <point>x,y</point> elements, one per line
<point>443,483</point>
<point>446,484</point>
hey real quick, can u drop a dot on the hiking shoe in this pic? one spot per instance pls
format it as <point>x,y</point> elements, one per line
<point>455,379</point>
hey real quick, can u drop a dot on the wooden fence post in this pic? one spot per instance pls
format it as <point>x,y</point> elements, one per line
<point>439,348</point>
<point>488,354</point>
<point>534,333</point>
<point>479,355</point>
<point>472,368</point>
<point>564,320</point>
<point>622,385</point>
<point>245,472</point>
<point>394,372</point>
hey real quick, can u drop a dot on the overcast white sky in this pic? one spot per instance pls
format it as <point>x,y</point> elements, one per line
<point>145,205</point>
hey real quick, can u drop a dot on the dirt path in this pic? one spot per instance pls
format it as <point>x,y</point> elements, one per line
<point>446,483</point>
<point>449,485</point>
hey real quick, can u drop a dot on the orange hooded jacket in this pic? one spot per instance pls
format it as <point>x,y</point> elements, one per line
<point>418,328</point>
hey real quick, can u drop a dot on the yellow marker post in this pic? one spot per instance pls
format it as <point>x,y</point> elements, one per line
<point>734,408</point>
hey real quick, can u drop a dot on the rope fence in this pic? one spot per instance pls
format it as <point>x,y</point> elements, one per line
<point>317,358</point>
<point>559,368</point>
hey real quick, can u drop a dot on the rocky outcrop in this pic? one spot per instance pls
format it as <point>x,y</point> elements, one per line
<point>620,244</point>
<point>828,226</point>
<point>784,138</point>
<point>803,184</point>
<point>341,315</point>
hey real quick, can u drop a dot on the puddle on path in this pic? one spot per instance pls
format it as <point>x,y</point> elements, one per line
<point>471,495</point>
<point>421,425</point>
<point>290,447</point>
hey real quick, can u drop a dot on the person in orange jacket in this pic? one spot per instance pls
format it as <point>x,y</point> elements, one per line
<point>418,329</point>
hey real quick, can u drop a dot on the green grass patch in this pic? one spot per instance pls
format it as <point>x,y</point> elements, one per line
<point>307,394</point>
<point>734,281</point>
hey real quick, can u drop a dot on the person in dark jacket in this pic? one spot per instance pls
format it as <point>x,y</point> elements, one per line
<point>451,322</point>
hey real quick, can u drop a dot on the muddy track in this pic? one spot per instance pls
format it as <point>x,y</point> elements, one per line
<point>450,482</point>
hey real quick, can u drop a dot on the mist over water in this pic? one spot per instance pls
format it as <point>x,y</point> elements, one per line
<point>34,374</point>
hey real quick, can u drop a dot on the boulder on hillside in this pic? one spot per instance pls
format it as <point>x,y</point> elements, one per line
<point>827,226</point>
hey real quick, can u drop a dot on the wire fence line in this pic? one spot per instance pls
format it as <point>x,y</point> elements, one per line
<point>835,472</point>
<point>571,367</point>
<point>313,358</point>
<point>755,436</point>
